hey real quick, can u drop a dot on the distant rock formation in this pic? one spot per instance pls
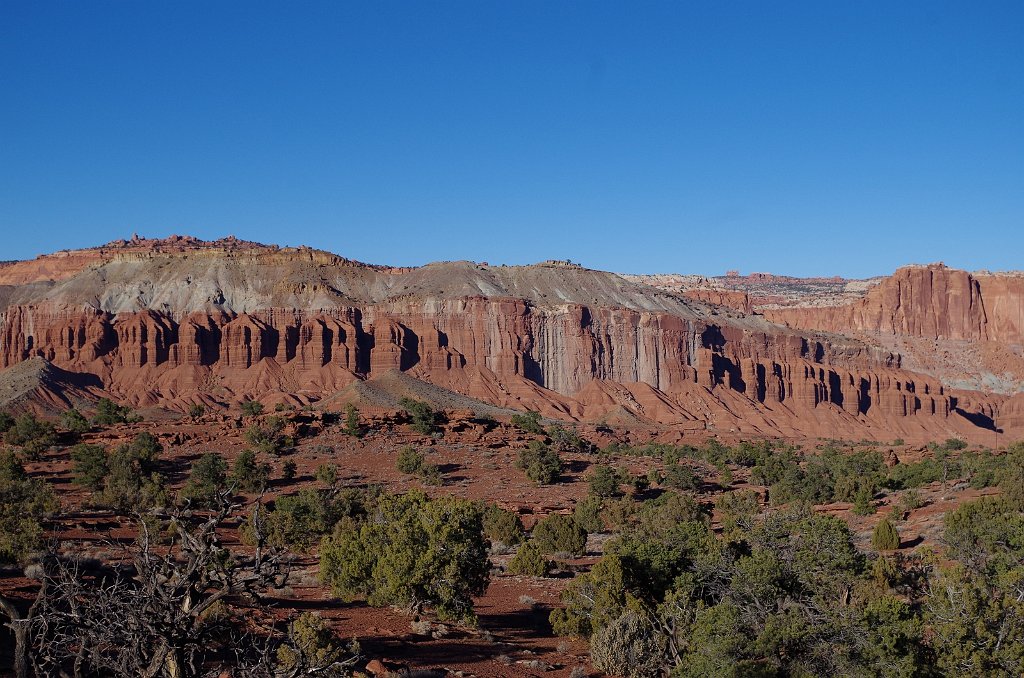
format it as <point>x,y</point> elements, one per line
<point>174,322</point>
<point>931,301</point>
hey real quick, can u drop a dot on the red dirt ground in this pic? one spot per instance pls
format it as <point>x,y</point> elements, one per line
<point>513,637</point>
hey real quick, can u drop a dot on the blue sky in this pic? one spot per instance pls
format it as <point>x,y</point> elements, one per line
<point>804,138</point>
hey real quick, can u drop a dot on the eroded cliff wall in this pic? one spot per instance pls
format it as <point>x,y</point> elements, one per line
<point>171,322</point>
<point>561,349</point>
<point>932,301</point>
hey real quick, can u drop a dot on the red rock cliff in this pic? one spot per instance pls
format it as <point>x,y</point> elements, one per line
<point>562,349</point>
<point>230,320</point>
<point>932,301</point>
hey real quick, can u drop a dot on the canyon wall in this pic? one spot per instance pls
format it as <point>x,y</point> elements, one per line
<point>561,349</point>
<point>734,299</point>
<point>932,301</point>
<point>173,322</point>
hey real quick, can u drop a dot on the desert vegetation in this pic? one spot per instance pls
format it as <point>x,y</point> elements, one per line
<point>747,558</point>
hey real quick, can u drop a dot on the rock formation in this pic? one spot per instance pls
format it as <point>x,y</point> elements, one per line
<point>932,301</point>
<point>169,323</point>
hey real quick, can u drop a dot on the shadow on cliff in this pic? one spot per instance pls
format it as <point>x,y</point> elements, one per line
<point>77,379</point>
<point>979,419</point>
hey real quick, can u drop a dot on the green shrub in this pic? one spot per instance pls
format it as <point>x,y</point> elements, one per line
<point>751,454</point>
<point>252,408</point>
<point>208,477</point>
<point>738,510</point>
<point>618,449</point>
<point>587,514</point>
<point>424,419</point>
<point>725,475</point>
<point>560,535</point>
<point>146,448</point>
<point>196,410</point>
<point>670,597</point>
<point>528,422</point>
<point>1010,475</point>
<point>954,444</point>
<point>412,462</point>
<point>313,648</point>
<point>910,500</point>
<point>131,480</point>
<point>885,537</point>
<point>529,561</point>
<point>604,481</point>
<point>917,474</point>
<point>109,413</point>
<point>430,474</point>
<point>75,422</point>
<point>832,475</point>
<point>89,465</point>
<point>352,426</point>
<point>567,439</point>
<point>541,463</point>
<point>411,551</point>
<point>301,520</point>
<point>984,469</point>
<point>592,600</point>
<point>33,436</point>
<point>973,620</point>
<point>288,471</point>
<point>267,438</point>
<point>681,477</point>
<point>501,526</point>
<point>409,460</point>
<point>653,477</point>
<point>862,504</point>
<point>669,509</point>
<point>129,485</point>
<point>24,504</point>
<point>6,422</point>
<point>616,514</point>
<point>986,535</point>
<point>327,474</point>
<point>248,474</point>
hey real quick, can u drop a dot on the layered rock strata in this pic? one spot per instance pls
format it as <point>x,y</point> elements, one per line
<point>172,322</point>
<point>931,301</point>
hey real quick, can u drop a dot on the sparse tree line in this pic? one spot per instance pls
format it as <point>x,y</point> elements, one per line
<point>178,602</point>
<point>784,592</point>
<point>776,591</point>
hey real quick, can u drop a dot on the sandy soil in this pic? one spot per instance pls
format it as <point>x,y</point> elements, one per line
<point>513,637</point>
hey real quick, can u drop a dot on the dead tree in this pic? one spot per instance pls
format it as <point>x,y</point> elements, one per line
<point>19,614</point>
<point>162,612</point>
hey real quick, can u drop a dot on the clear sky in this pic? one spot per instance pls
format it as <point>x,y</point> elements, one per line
<point>820,137</point>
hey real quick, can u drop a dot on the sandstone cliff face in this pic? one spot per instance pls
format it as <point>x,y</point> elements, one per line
<point>925,301</point>
<point>735,299</point>
<point>1003,298</point>
<point>451,342</point>
<point>175,323</point>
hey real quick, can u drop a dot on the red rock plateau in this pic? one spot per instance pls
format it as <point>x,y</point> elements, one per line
<point>169,323</point>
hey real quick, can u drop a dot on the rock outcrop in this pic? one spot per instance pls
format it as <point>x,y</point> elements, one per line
<point>734,299</point>
<point>37,384</point>
<point>176,324</point>
<point>931,301</point>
